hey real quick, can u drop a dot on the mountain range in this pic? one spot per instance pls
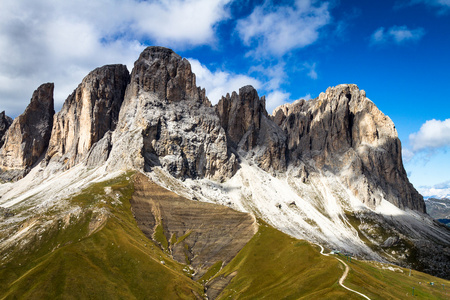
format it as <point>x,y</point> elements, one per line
<point>145,159</point>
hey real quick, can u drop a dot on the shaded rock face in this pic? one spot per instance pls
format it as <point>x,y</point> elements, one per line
<point>5,123</point>
<point>248,127</point>
<point>164,122</point>
<point>28,136</point>
<point>88,114</point>
<point>344,133</point>
<point>196,233</point>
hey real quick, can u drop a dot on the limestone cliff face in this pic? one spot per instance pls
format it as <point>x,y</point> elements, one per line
<point>88,114</point>
<point>344,133</point>
<point>5,123</point>
<point>248,127</point>
<point>28,136</point>
<point>167,121</point>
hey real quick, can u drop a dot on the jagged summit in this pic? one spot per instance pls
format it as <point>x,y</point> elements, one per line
<point>165,73</point>
<point>89,113</point>
<point>343,132</point>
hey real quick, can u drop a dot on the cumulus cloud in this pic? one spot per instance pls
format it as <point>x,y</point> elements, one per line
<point>396,34</point>
<point>275,99</point>
<point>61,41</point>
<point>276,30</point>
<point>433,134</point>
<point>219,83</point>
<point>441,190</point>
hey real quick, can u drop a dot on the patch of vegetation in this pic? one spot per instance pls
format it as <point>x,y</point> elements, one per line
<point>186,254</point>
<point>182,238</point>
<point>173,239</point>
<point>160,237</point>
<point>211,272</point>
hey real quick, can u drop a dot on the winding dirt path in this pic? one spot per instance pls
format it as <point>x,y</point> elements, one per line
<point>344,276</point>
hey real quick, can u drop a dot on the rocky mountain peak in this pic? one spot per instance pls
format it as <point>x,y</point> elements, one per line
<point>5,122</point>
<point>163,72</point>
<point>344,133</point>
<point>248,127</point>
<point>88,114</point>
<point>28,136</point>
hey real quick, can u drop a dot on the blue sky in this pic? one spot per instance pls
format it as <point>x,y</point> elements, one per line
<point>397,51</point>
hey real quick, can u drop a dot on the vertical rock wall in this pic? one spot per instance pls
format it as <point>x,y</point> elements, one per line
<point>28,136</point>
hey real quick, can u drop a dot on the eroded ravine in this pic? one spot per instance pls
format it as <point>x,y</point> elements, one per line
<point>196,233</point>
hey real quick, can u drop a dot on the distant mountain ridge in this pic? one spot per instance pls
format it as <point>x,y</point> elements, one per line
<point>328,170</point>
<point>439,209</point>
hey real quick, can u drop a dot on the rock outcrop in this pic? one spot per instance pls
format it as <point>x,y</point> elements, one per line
<point>28,136</point>
<point>344,133</point>
<point>249,129</point>
<point>5,123</point>
<point>88,114</point>
<point>167,121</point>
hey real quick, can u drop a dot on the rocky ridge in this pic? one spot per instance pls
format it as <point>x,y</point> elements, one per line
<point>89,113</point>
<point>5,122</point>
<point>250,131</point>
<point>26,140</point>
<point>175,127</point>
<point>343,132</point>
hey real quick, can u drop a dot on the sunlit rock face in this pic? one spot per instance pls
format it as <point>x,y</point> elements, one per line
<point>167,121</point>
<point>344,133</point>
<point>27,138</point>
<point>88,114</point>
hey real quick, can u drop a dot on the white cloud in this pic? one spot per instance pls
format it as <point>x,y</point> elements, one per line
<point>180,21</point>
<point>432,134</point>
<point>275,99</point>
<point>276,30</point>
<point>219,83</point>
<point>441,190</point>
<point>396,34</point>
<point>61,41</point>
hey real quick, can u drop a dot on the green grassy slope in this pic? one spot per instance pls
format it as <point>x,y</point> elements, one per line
<point>116,262</point>
<point>276,266</point>
<point>88,255</point>
<point>371,279</point>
